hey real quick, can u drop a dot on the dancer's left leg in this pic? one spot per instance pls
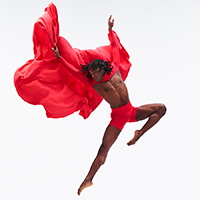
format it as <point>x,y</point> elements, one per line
<point>152,111</point>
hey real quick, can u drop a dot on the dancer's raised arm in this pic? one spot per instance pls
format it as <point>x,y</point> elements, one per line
<point>114,42</point>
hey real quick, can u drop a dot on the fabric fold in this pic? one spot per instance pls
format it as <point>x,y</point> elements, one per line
<point>44,81</point>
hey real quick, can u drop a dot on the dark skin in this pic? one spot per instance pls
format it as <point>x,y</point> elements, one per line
<point>115,92</point>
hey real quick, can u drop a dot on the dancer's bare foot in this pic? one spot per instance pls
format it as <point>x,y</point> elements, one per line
<point>137,135</point>
<point>84,185</point>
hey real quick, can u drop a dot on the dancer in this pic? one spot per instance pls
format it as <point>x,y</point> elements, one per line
<point>67,80</point>
<point>108,83</point>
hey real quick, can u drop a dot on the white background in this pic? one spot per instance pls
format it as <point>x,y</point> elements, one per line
<point>47,159</point>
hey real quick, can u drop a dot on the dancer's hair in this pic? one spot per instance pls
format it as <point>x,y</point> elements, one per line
<point>94,65</point>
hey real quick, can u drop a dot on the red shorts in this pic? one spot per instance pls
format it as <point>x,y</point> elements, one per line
<point>120,116</point>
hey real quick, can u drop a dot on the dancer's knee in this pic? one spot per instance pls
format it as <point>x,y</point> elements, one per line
<point>163,109</point>
<point>102,154</point>
<point>102,159</point>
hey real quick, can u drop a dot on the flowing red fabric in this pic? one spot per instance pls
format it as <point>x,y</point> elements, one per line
<point>44,81</point>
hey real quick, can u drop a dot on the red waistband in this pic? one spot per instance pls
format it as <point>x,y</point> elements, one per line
<point>123,108</point>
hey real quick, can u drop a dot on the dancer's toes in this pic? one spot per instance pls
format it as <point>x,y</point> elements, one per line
<point>84,185</point>
<point>137,135</point>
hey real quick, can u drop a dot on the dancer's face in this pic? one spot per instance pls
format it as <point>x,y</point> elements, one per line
<point>97,74</point>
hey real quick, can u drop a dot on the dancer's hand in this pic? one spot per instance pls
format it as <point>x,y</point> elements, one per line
<point>56,51</point>
<point>110,23</point>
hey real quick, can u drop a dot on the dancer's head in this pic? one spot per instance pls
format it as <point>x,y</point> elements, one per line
<point>97,69</point>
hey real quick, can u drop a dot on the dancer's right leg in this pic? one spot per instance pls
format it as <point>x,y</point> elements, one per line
<point>109,138</point>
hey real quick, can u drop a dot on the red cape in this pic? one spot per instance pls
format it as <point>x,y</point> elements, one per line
<point>44,81</point>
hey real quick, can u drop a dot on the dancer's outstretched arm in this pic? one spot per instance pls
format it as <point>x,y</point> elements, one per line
<point>73,70</point>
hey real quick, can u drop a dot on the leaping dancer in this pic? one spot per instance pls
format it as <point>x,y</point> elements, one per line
<point>103,78</point>
<point>108,83</point>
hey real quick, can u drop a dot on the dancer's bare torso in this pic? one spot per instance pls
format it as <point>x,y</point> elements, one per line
<point>114,91</point>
